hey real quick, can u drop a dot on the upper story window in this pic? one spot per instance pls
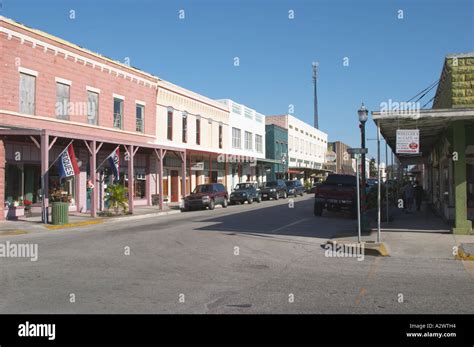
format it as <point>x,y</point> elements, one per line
<point>236,138</point>
<point>221,134</point>
<point>198,131</point>
<point>27,93</point>
<point>170,124</point>
<point>185,127</point>
<point>92,108</point>
<point>236,109</point>
<point>140,118</point>
<point>118,113</point>
<point>259,143</point>
<point>258,117</point>
<point>248,141</point>
<point>248,113</point>
<point>62,101</point>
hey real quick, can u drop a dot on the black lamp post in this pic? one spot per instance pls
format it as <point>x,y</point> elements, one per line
<point>363,116</point>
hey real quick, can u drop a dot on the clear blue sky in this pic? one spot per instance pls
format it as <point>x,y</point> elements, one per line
<point>389,58</point>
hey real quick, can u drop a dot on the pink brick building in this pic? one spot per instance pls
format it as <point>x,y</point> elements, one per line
<point>54,93</point>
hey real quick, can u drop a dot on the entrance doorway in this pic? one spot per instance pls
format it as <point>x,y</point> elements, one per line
<point>174,186</point>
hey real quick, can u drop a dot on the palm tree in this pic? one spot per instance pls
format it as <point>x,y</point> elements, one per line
<point>117,197</point>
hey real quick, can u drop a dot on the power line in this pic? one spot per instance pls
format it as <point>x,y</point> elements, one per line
<point>426,90</point>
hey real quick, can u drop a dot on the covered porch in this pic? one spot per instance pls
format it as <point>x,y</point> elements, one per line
<point>446,158</point>
<point>30,176</point>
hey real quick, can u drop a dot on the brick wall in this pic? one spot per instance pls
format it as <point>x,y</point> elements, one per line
<point>49,66</point>
<point>456,87</point>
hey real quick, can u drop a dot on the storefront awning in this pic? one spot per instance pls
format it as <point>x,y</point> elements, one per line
<point>431,124</point>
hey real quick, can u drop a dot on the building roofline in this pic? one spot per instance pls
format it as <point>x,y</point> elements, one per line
<point>74,46</point>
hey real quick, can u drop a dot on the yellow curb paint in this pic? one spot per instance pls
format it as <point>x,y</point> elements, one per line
<point>461,255</point>
<point>13,232</point>
<point>74,225</point>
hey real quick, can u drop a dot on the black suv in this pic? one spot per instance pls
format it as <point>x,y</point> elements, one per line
<point>295,188</point>
<point>245,192</point>
<point>206,195</point>
<point>274,189</point>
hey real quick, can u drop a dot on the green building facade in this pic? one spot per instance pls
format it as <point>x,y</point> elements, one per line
<point>276,144</point>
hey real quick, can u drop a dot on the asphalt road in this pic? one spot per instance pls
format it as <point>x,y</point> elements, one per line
<point>259,258</point>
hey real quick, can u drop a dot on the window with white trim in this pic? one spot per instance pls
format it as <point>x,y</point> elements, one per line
<point>27,93</point>
<point>236,138</point>
<point>248,140</point>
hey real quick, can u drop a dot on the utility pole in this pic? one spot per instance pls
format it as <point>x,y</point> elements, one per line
<point>315,77</point>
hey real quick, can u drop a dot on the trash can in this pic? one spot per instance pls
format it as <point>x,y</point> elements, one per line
<point>60,213</point>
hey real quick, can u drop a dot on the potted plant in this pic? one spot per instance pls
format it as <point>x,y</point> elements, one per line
<point>14,210</point>
<point>116,198</point>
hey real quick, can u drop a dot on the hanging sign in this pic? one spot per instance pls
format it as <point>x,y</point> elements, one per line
<point>408,141</point>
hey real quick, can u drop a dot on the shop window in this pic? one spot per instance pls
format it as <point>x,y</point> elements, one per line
<point>170,125</point>
<point>220,136</point>
<point>62,101</point>
<point>236,138</point>
<point>92,108</point>
<point>27,93</point>
<point>118,113</point>
<point>198,131</point>
<point>139,118</point>
<point>185,127</point>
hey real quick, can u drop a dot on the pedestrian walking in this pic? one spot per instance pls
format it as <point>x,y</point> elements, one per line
<point>408,195</point>
<point>418,195</point>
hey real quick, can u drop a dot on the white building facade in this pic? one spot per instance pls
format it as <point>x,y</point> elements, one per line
<point>246,143</point>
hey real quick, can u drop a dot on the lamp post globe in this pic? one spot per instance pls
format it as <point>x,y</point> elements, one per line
<point>363,113</point>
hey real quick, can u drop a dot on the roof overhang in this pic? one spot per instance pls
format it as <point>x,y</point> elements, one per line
<point>431,123</point>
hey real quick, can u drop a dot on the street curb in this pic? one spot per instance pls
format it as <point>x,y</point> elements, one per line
<point>463,254</point>
<point>74,225</point>
<point>370,247</point>
<point>138,217</point>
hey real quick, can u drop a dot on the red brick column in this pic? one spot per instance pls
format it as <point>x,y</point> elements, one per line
<point>2,178</point>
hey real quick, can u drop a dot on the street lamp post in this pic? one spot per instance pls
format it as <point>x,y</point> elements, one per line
<point>363,114</point>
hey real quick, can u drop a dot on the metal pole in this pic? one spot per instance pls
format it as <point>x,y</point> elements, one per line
<point>379,185</point>
<point>386,181</point>
<point>358,200</point>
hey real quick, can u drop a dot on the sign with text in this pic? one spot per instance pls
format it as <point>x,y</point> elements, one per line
<point>408,141</point>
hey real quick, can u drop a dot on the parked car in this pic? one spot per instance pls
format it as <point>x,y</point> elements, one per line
<point>245,192</point>
<point>294,188</point>
<point>206,195</point>
<point>371,183</point>
<point>274,190</point>
<point>338,192</point>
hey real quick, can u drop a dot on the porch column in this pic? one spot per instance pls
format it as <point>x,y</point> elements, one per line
<point>183,176</point>
<point>130,178</point>
<point>148,180</point>
<point>45,176</point>
<point>226,170</point>
<point>2,177</point>
<point>95,190</point>
<point>210,168</point>
<point>160,180</point>
<point>461,224</point>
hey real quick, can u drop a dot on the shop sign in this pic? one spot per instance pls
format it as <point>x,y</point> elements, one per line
<point>199,166</point>
<point>408,141</point>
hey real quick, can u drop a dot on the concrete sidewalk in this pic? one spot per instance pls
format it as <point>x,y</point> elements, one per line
<point>30,224</point>
<point>418,234</point>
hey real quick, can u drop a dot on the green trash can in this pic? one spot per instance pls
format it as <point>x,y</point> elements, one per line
<point>60,213</point>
